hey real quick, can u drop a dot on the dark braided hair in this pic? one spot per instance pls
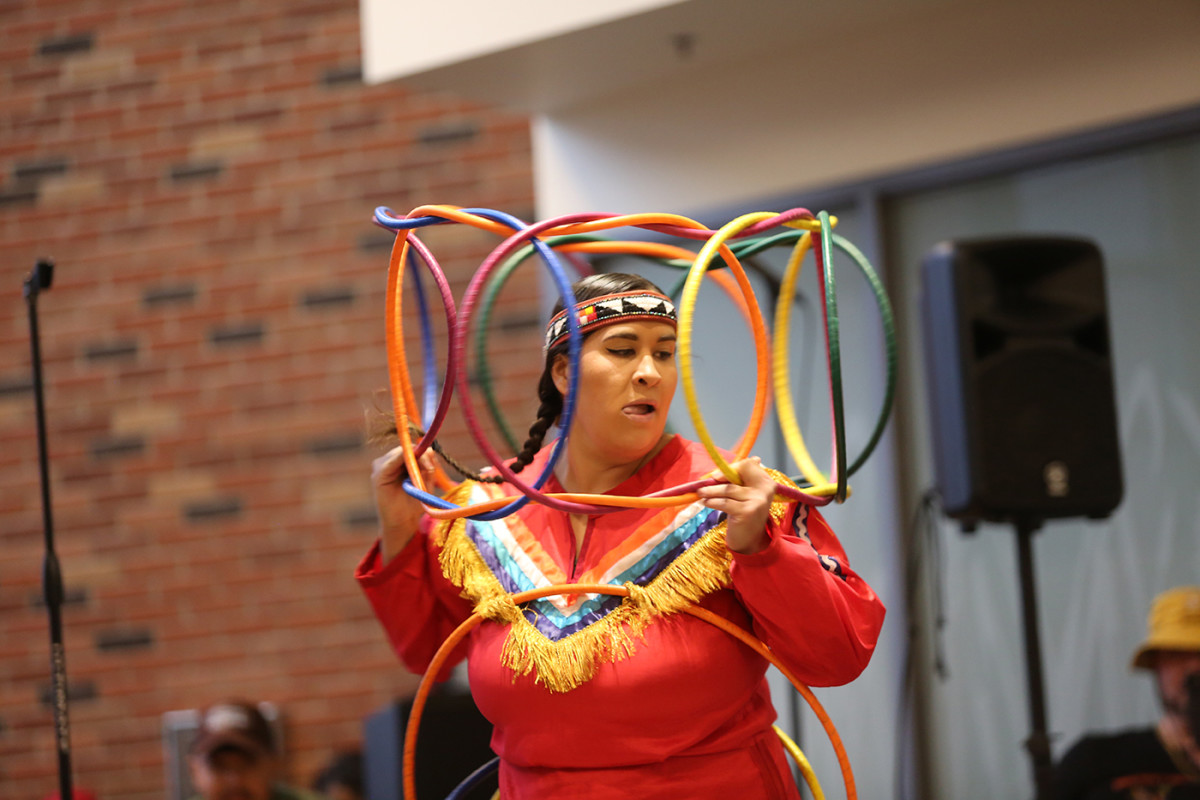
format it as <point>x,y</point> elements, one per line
<point>551,402</point>
<point>382,431</point>
<point>455,464</point>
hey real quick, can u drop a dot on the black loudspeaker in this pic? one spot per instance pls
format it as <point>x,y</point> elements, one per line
<point>453,740</point>
<point>1019,371</point>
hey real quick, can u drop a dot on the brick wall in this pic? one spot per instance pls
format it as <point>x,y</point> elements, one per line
<point>203,173</point>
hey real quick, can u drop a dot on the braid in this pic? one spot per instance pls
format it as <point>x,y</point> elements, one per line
<point>462,470</point>
<point>548,413</point>
<point>416,433</point>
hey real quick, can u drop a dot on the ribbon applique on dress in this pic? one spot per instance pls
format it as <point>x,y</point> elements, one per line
<point>670,561</point>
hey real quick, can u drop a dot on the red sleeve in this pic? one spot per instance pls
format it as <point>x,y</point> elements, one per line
<point>414,602</point>
<point>820,618</point>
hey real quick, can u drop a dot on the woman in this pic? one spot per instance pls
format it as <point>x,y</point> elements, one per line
<point>608,697</point>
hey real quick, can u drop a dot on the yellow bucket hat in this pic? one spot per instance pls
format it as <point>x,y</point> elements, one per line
<point>1173,624</point>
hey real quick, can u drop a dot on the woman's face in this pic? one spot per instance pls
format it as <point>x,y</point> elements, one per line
<point>627,379</point>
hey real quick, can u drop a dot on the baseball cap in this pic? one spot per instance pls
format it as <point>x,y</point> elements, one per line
<point>235,725</point>
<point>1173,624</point>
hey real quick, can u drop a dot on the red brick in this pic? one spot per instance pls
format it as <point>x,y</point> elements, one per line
<point>93,19</point>
<point>285,37</point>
<point>159,58</point>
<point>273,225</point>
<point>151,8</point>
<point>31,30</point>
<point>89,118</point>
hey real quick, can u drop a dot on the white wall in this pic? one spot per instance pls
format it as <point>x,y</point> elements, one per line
<point>944,82</point>
<point>400,37</point>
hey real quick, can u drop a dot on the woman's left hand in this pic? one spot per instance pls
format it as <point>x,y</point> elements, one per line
<point>746,506</point>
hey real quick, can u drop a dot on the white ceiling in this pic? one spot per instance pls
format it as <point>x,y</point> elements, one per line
<point>540,66</point>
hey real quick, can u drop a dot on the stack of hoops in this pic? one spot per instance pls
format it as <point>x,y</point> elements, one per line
<point>566,237</point>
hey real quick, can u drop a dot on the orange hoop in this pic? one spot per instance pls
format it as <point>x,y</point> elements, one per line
<point>473,621</point>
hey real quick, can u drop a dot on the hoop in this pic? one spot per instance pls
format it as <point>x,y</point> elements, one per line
<point>578,225</point>
<point>473,621</point>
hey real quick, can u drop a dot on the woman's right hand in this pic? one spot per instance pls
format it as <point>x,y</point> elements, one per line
<point>399,513</point>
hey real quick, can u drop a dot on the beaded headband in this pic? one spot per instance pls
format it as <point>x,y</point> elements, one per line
<point>610,308</point>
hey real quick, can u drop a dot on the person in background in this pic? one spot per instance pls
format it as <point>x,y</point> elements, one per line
<point>235,757</point>
<point>342,777</point>
<point>1160,762</point>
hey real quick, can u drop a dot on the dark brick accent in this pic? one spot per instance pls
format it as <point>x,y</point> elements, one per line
<point>124,639</point>
<point>247,333</point>
<point>72,596</point>
<point>115,446</point>
<point>124,348</point>
<point>448,134</point>
<point>336,296</point>
<point>14,386</point>
<point>76,692</point>
<point>351,73</point>
<point>360,517</point>
<point>376,241</point>
<point>215,508</point>
<point>198,171</point>
<point>335,445</point>
<point>61,45</point>
<point>163,295</point>
<point>17,195</point>
<point>33,170</point>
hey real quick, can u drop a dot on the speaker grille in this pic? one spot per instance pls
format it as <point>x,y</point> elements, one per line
<point>1040,423</point>
<point>1018,355</point>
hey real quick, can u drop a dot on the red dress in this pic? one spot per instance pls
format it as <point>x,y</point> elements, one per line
<point>596,697</point>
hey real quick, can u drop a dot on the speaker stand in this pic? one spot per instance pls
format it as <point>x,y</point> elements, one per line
<point>1038,743</point>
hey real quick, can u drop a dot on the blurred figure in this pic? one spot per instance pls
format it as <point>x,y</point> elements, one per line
<point>342,777</point>
<point>1160,762</point>
<point>235,757</point>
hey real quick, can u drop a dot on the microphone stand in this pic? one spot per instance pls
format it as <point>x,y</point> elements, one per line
<point>52,585</point>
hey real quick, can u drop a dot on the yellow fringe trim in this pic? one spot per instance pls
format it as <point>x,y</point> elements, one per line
<point>570,662</point>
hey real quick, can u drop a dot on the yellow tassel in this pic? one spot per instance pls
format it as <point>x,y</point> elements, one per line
<point>570,662</point>
<point>500,608</point>
<point>565,664</point>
